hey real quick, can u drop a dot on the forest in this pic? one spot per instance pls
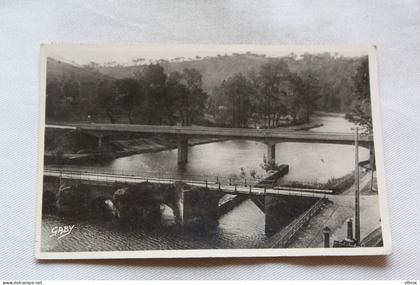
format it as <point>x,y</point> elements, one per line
<point>240,90</point>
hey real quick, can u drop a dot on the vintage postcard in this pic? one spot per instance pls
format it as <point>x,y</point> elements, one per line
<point>161,151</point>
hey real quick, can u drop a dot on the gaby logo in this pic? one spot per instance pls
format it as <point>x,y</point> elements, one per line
<point>61,232</point>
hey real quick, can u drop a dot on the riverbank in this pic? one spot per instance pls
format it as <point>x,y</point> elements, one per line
<point>329,114</point>
<point>337,185</point>
<point>126,147</point>
<point>341,185</point>
<point>314,123</point>
<point>155,144</point>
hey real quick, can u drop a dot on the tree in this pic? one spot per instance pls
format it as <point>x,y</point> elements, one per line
<point>157,104</point>
<point>256,99</point>
<point>268,95</point>
<point>179,93</point>
<point>129,94</point>
<point>107,99</point>
<point>187,97</point>
<point>173,97</point>
<point>54,99</point>
<point>362,113</point>
<point>71,90</point>
<point>235,95</point>
<point>273,77</point>
<point>196,98</point>
<point>306,92</point>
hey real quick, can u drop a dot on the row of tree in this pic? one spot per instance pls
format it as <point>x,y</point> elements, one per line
<point>154,97</point>
<point>267,97</point>
<point>67,98</point>
<point>151,97</point>
<point>361,113</point>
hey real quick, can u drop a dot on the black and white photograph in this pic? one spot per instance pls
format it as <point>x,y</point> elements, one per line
<point>210,151</point>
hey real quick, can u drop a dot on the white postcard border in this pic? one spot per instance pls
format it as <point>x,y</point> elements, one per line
<point>207,253</point>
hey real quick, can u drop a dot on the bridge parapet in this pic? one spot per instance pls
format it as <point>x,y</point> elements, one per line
<point>298,136</point>
<point>193,202</point>
<point>221,184</point>
<point>115,176</point>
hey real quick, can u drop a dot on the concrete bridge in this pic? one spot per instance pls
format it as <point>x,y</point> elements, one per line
<point>221,184</point>
<point>269,136</point>
<point>192,201</point>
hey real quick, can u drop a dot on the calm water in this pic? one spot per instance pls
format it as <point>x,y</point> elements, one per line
<point>307,162</point>
<point>241,228</point>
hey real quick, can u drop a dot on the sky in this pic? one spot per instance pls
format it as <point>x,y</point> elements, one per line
<point>125,54</point>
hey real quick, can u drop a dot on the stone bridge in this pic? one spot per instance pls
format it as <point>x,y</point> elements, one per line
<point>193,202</point>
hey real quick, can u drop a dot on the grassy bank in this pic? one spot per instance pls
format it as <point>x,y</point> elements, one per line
<point>124,147</point>
<point>336,184</point>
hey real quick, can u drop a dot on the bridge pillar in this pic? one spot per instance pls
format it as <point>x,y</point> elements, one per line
<point>182,149</point>
<point>100,139</point>
<point>271,152</point>
<point>201,208</point>
<point>178,204</point>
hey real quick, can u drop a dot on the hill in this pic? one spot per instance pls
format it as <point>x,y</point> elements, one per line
<point>60,70</point>
<point>73,89</point>
<point>334,73</point>
<point>213,69</point>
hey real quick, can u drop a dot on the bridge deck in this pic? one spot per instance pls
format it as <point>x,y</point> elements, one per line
<point>295,136</point>
<point>107,179</point>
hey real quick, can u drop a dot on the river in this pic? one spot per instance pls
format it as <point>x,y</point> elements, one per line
<point>243,227</point>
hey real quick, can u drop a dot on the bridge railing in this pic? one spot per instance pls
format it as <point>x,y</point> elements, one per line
<point>297,225</point>
<point>218,183</point>
<point>202,130</point>
<point>105,173</point>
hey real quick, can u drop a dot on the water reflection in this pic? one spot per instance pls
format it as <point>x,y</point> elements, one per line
<point>242,227</point>
<point>308,162</point>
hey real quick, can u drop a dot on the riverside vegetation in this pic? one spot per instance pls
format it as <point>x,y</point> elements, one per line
<point>239,90</point>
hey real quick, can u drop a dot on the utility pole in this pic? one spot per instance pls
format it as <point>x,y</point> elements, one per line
<point>372,165</point>
<point>356,186</point>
